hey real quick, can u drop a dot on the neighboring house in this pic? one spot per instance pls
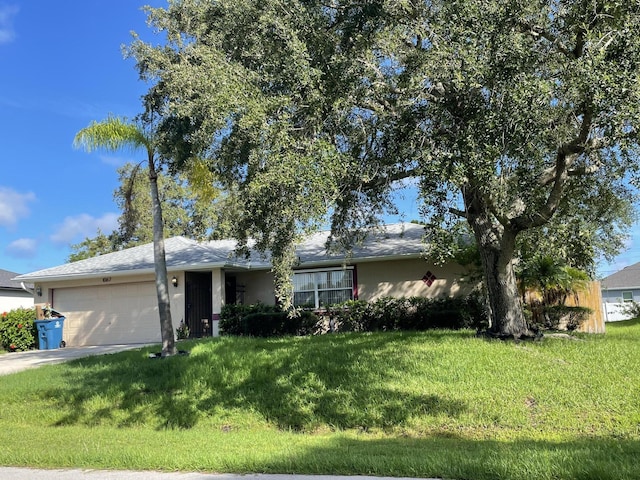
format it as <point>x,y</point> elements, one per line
<point>619,289</point>
<point>12,294</point>
<point>112,298</point>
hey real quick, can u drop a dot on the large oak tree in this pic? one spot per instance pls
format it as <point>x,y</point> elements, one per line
<point>505,113</point>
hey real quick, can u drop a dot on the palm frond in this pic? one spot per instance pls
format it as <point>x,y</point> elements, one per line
<point>112,134</point>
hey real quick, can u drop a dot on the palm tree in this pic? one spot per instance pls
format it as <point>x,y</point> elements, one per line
<point>115,134</point>
<point>552,279</point>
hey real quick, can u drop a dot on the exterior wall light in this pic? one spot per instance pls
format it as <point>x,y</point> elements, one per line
<point>174,281</point>
<point>39,290</point>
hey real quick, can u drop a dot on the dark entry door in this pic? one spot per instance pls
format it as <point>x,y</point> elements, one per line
<point>198,303</point>
<point>230,290</point>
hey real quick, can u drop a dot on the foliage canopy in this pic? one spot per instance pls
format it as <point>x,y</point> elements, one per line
<point>506,114</point>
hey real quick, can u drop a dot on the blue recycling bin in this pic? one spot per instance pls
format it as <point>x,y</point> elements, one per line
<point>50,333</point>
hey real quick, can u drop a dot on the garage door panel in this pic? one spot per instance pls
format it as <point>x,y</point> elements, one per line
<point>109,314</point>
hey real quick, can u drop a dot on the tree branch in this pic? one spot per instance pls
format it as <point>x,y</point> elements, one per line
<point>459,213</point>
<point>379,181</point>
<point>558,174</point>
<point>568,152</point>
<point>537,32</point>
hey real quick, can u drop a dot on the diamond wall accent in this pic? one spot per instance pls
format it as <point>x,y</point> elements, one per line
<point>429,278</point>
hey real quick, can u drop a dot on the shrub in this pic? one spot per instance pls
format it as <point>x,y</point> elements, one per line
<point>17,330</point>
<point>232,315</point>
<point>183,331</point>
<point>275,324</point>
<point>309,323</point>
<point>349,316</point>
<point>451,312</point>
<point>388,313</point>
<point>559,317</point>
<point>459,312</point>
<point>632,309</point>
<point>383,314</point>
<point>413,313</point>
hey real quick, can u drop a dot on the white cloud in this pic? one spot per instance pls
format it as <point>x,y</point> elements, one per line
<point>13,205</point>
<point>22,248</point>
<point>7,33</point>
<point>79,227</point>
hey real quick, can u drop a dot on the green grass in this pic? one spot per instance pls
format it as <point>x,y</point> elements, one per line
<point>440,404</point>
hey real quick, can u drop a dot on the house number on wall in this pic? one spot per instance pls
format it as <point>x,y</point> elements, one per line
<point>106,279</point>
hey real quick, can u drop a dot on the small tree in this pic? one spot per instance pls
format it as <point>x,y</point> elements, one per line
<point>546,284</point>
<point>192,207</point>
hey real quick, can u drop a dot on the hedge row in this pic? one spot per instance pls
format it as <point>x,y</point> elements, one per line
<point>265,321</point>
<point>409,313</point>
<point>384,314</point>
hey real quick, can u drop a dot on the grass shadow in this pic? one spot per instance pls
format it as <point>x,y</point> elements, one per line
<point>586,458</point>
<point>337,382</point>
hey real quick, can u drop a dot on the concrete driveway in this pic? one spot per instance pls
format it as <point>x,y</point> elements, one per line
<point>18,361</point>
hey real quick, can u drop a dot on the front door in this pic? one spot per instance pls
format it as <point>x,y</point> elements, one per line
<point>198,305</point>
<point>230,290</point>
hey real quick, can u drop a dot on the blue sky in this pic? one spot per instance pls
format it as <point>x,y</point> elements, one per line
<point>62,67</point>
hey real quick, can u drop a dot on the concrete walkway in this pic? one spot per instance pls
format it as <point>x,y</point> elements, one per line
<point>17,361</point>
<point>9,473</point>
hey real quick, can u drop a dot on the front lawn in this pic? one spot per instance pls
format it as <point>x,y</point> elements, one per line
<point>433,404</point>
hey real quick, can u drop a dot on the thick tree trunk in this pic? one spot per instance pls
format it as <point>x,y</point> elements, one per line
<point>496,244</point>
<point>159,257</point>
<point>507,318</point>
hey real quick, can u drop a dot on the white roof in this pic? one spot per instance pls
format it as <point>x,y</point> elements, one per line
<point>391,242</point>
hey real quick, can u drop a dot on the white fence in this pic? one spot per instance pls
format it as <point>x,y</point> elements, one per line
<point>614,312</point>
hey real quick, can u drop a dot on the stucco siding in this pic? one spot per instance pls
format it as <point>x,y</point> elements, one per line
<point>395,278</point>
<point>398,278</point>
<point>258,287</point>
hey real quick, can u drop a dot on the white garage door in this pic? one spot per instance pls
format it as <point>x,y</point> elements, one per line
<point>109,314</point>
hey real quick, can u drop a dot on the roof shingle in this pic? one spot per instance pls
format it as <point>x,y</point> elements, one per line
<point>628,277</point>
<point>393,241</point>
<point>7,282</point>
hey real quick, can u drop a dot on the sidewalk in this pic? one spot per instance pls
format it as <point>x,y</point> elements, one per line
<point>9,473</point>
<point>18,361</point>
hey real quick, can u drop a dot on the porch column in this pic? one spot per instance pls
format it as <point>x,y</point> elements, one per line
<point>217,298</point>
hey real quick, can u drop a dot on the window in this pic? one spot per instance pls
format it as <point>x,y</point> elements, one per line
<point>627,296</point>
<point>320,288</point>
